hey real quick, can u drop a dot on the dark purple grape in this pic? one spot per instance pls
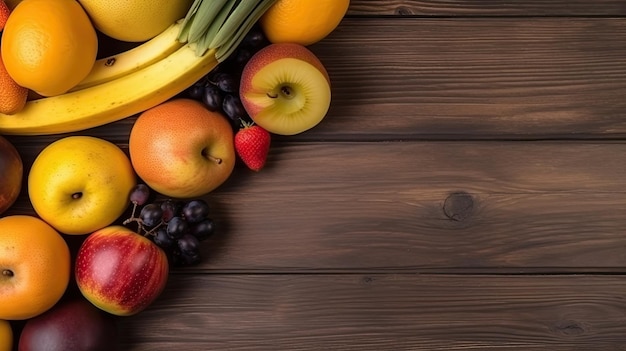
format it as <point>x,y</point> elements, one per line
<point>195,210</point>
<point>240,58</point>
<point>150,215</point>
<point>188,244</point>
<point>177,227</point>
<point>233,108</point>
<point>226,82</point>
<point>170,209</point>
<point>162,239</point>
<point>254,39</point>
<point>212,97</point>
<point>139,194</point>
<point>203,229</point>
<point>189,258</point>
<point>196,91</point>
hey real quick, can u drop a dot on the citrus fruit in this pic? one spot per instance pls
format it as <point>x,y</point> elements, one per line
<point>49,46</point>
<point>181,149</point>
<point>137,20</point>
<point>6,336</point>
<point>302,21</point>
<point>34,267</point>
<point>12,97</point>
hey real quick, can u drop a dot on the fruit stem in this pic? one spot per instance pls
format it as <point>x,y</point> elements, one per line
<point>206,154</point>
<point>215,159</point>
<point>284,91</point>
<point>7,273</point>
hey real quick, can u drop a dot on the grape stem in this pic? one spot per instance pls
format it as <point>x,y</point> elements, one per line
<point>140,227</point>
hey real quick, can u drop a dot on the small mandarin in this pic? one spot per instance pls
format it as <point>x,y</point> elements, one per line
<point>49,46</point>
<point>302,22</point>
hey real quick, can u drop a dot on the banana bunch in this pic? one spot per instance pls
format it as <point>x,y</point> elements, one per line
<point>128,83</point>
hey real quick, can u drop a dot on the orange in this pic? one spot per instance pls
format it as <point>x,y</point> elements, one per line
<point>49,46</point>
<point>12,96</point>
<point>302,21</point>
<point>34,267</point>
<point>136,20</point>
<point>6,334</point>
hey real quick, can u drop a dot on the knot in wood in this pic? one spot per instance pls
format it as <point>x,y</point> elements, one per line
<point>571,328</point>
<point>458,206</point>
<point>403,11</point>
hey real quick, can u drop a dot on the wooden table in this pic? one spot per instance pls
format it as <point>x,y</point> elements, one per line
<point>467,191</point>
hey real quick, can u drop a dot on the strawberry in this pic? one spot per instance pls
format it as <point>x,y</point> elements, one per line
<point>4,14</point>
<point>252,144</point>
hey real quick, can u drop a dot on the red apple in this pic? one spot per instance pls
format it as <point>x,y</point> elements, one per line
<point>70,325</point>
<point>285,89</point>
<point>120,271</point>
<point>11,172</point>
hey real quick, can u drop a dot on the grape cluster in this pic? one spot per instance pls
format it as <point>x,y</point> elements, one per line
<point>176,226</point>
<point>219,89</point>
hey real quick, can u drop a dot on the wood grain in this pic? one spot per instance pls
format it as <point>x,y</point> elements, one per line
<point>461,79</point>
<point>487,8</point>
<point>423,206</point>
<point>382,312</point>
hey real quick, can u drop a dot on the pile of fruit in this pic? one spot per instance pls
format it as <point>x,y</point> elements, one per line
<point>209,81</point>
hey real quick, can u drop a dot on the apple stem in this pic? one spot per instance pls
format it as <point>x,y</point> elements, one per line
<point>215,159</point>
<point>7,273</point>
<point>284,91</point>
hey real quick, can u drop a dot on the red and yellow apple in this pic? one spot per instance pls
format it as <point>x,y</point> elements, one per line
<point>80,184</point>
<point>181,149</point>
<point>285,89</point>
<point>120,271</point>
<point>11,172</point>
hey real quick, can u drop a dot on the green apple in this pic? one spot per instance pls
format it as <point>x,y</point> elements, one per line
<point>79,184</point>
<point>285,89</point>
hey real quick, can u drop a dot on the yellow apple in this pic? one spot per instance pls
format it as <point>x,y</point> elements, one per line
<point>79,184</point>
<point>6,336</point>
<point>285,89</point>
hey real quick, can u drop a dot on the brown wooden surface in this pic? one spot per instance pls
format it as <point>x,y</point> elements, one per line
<point>467,191</point>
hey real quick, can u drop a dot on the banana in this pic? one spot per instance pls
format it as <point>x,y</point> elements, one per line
<point>115,66</point>
<point>113,100</point>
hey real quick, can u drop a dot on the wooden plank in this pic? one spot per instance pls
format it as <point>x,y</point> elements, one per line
<point>424,206</point>
<point>487,8</point>
<point>475,78</point>
<point>487,78</point>
<point>393,206</point>
<point>374,312</point>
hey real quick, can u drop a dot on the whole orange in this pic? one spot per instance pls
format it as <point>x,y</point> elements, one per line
<point>302,21</point>
<point>34,267</point>
<point>181,149</point>
<point>49,46</point>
